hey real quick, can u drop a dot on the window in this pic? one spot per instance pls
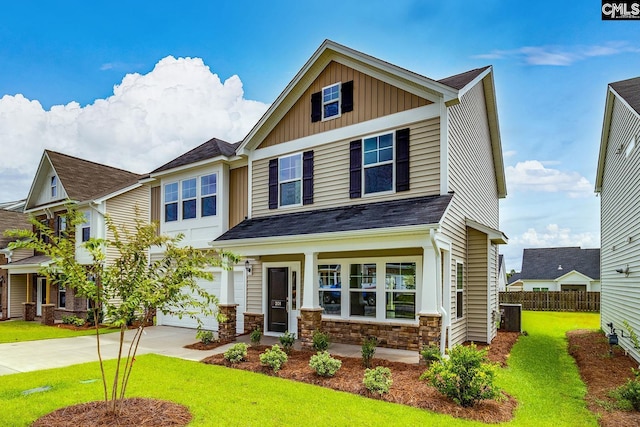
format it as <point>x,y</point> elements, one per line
<point>459,290</point>
<point>362,290</point>
<point>540,289</point>
<point>400,284</point>
<point>378,163</point>
<point>331,101</point>
<point>171,202</point>
<point>208,190</point>
<point>61,225</point>
<point>630,146</point>
<point>62,297</point>
<point>290,180</point>
<point>330,288</point>
<point>54,186</point>
<point>86,227</point>
<point>189,193</point>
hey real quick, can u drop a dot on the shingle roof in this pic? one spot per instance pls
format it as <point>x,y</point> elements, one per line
<point>551,263</point>
<point>629,90</point>
<point>33,260</point>
<point>459,81</point>
<point>85,180</point>
<point>11,220</point>
<point>397,213</point>
<point>514,277</point>
<point>213,148</point>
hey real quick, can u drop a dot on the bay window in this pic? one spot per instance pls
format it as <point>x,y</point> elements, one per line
<point>194,197</point>
<point>189,193</point>
<point>208,190</point>
<point>171,202</point>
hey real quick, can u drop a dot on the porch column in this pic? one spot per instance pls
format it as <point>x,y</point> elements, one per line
<point>310,312</point>
<point>429,317</point>
<point>29,286</point>
<point>48,291</point>
<point>227,307</point>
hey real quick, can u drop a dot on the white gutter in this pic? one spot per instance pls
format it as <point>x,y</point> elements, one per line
<point>439,291</point>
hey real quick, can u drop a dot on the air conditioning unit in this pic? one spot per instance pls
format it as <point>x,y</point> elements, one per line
<point>511,317</point>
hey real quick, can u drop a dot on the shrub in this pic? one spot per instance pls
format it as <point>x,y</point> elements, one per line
<point>324,364</point>
<point>73,320</point>
<point>273,357</point>
<point>205,337</point>
<point>628,395</point>
<point>466,376</point>
<point>320,340</point>
<point>256,336</point>
<point>378,380</point>
<point>430,353</point>
<point>368,350</point>
<point>287,340</point>
<point>90,316</point>
<point>236,353</point>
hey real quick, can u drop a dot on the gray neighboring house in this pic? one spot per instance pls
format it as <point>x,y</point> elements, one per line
<point>11,217</point>
<point>618,183</point>
<point>558,269</point>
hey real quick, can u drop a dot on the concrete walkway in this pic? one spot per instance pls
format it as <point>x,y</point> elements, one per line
<point>165,340</point>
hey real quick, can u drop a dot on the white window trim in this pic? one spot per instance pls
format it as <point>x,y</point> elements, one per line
<point>392,162</point>
<point>85,225</point>
<point>339,84</point>
<point>53,186</point>
<point>201,195</point>
<point>380,290</point>
<point>165,203</point>
<point>293,205</point>
<point>182,199</point>
<point>459,291</point>
<point>62,289</point>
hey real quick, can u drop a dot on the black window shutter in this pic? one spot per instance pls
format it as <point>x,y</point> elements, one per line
<point>355,169</point>
<point>273,184</point>
<point>316,107</point>
<point>402,160</point>
<point>347,96</point>
<point>307,177</point>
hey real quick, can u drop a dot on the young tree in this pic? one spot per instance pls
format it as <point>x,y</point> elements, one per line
<point>123,282</point>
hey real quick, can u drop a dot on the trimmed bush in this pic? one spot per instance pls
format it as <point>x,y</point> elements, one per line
<point>73,320</point>
<point>236,353</point>
<point>430,354</point>
<point>368,350</point>
<point>320,340</point>
<point>256,336</point>
<point>324,364</point>
<point>205,337</point>
<point>286,340</point>
<point>466,376</point>
<point>273,357</point>
<point>628,395</point>
<point>378,380</point>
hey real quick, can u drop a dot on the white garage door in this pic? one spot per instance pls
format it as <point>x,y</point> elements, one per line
<point>209,322</point>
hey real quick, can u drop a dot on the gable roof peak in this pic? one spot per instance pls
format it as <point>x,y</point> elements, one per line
<point>208,150</point>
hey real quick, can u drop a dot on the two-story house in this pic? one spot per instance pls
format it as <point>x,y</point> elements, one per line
<point>373,205</point>
<point>11,217</point>
<point>199,195</point>
<point>96,190</point>
<point>618,183</point>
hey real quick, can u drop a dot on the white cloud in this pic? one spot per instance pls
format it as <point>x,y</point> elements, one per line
<point>149,120</point>
<point>532,175</point>
<point>561,55</point>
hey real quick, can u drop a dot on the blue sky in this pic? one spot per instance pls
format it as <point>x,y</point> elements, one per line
<point>102,79</point>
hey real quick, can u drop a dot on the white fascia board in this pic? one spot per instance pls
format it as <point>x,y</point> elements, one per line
<point>201,163</point>
<point>35,178</point>
<point>59,203</point>
<point>573,272</point>
<point>385,238</point>
<point>496,236</point>
<point>353,131</point>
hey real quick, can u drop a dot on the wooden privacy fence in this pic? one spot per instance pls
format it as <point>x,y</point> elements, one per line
<point>554,300</point>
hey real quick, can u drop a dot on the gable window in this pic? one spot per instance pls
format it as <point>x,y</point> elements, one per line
<point>189,193</point>
<point>290,180</point>
<point>378,163</point>
<point>208,190</point>
<point>459,290</point>
<point>86,227</point>
<point>171,202</point>
<point>332,101</point>
<point>54,186</point>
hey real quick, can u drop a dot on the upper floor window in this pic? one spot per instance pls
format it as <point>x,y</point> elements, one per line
<point>61,225</point>
<point>290,179</point>
<point>378,163</point>
<point>459,290</point>
<point>331,101</point>
<point>171,202</point>
<point>54,186</point>
<point>189,194</point>
<point>86,227</point>
<point>208,191</point>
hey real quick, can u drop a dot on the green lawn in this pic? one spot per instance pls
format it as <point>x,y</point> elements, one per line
<point>540,375</point>
<point>19,330</point>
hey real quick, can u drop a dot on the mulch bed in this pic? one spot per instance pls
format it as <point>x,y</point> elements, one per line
<point>602,372</point>
<point>407,388</point>
<point>202,346</point>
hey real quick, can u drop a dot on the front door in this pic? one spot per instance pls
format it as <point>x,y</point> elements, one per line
<point>41,295</point>
<point>278,289</point>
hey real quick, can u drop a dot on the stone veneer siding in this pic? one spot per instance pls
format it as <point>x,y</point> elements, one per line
<point>29,311</point>
<point>310,321</point>
<point>390,335</point>
<point>227,329</point>
<point>253,321</point>
<point>48,314</point>
<point>430,327</point>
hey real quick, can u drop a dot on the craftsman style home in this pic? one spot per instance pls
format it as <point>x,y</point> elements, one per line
<point>618,183</point>
<point>372,205</point>
<point>11,217</point>
<point>558,269</point>
<point>96,190</point>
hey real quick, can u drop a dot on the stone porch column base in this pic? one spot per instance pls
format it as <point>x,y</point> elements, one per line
<point>29,311</point>
<point>48,314</point>
<point>227,328</point>
<point>310,321</point>
<point>429,330</point>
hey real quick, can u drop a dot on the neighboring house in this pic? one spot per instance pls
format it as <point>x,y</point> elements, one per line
<point>502,274</point>
<point>618,183</point>
<point>11,217</point>
<point>96,190</point>
<point>200,194</point>
<point>373,205</point>
<point>558,269</point>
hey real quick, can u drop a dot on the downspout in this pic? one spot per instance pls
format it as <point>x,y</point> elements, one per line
<point>439,291</point>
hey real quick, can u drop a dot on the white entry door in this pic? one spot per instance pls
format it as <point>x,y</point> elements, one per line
<point>41,294</point>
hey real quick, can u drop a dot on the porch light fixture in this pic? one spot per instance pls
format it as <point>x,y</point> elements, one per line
<point>624,271</point>
<point>247,267</point>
